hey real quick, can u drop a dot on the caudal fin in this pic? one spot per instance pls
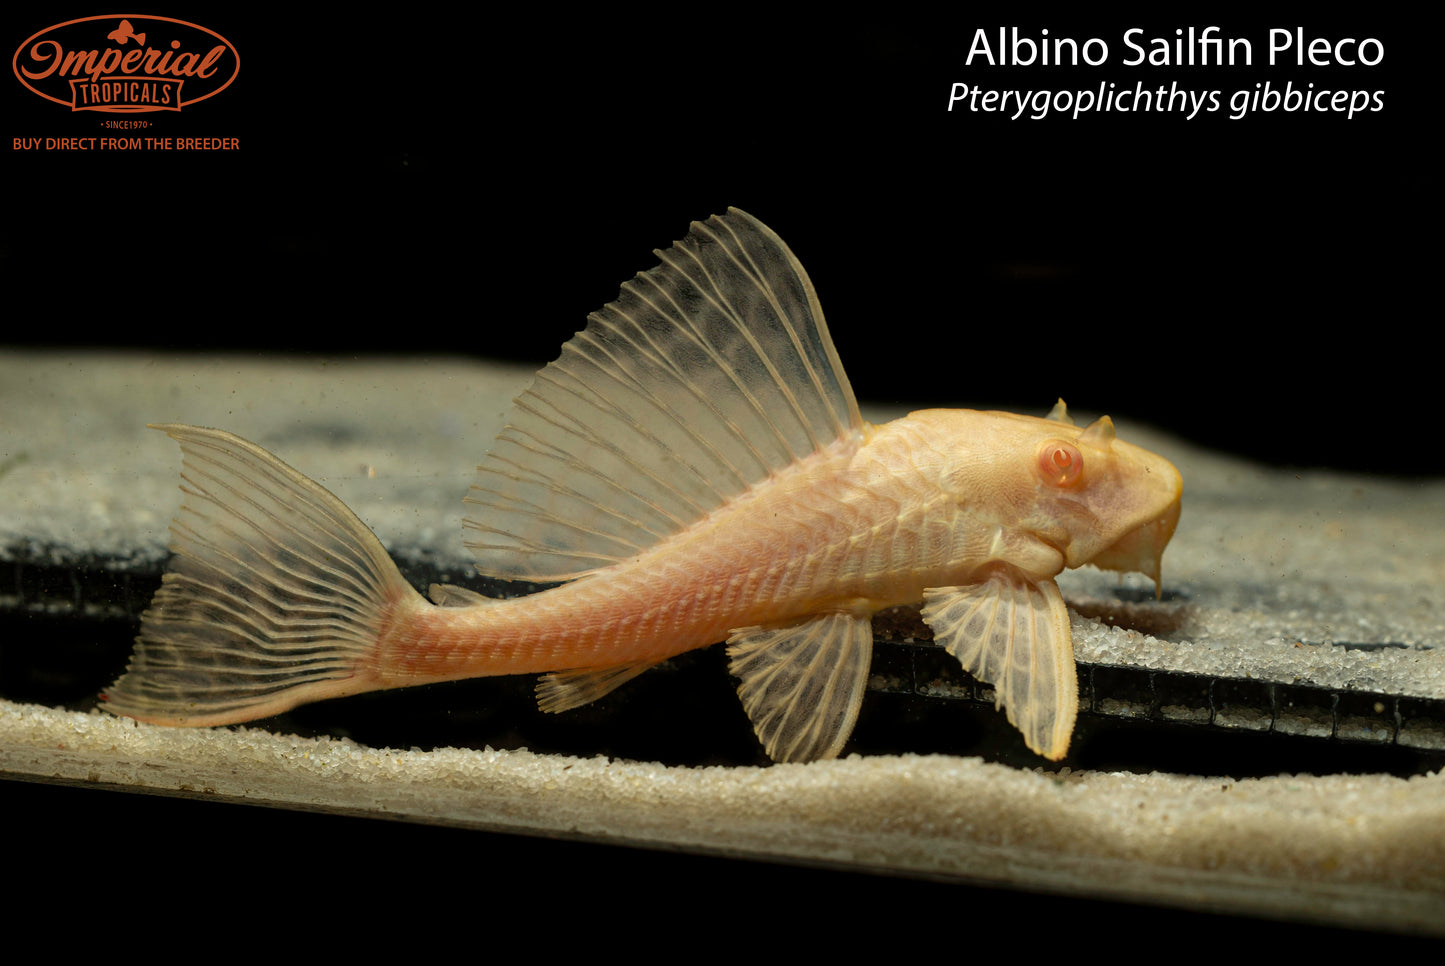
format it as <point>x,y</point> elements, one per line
<point>275,596</point>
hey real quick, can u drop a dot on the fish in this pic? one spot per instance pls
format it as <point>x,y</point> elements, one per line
<point>692,469</point>
<point>126,32</point>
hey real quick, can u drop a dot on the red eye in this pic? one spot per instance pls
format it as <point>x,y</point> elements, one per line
<point>1060,463</point>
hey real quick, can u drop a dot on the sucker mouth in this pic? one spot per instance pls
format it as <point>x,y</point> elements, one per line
<point>1141,550</point>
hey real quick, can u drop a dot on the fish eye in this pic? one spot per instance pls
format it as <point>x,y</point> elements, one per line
<point>1060,463</point>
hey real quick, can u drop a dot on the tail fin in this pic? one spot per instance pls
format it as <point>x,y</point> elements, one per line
<point>276,594</point>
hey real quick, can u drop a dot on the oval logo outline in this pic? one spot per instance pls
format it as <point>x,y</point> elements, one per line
<point>15,61</point>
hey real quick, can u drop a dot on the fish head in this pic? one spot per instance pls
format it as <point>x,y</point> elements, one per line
<point>1100,500</point>
<point>1088,496</point>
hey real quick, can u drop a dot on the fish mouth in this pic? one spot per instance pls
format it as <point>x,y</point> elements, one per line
<point>1141,550</point>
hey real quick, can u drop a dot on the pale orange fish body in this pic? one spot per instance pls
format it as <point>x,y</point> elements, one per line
<point>695,469</point>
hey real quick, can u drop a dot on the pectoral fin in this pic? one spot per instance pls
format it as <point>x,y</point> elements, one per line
<point>802,684</point>
<point>565,690</point>
<point>1013,633</point>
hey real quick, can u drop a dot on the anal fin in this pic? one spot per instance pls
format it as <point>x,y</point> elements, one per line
<point>1013,633</point>
<point>565,690</point>
<point>802,684</point>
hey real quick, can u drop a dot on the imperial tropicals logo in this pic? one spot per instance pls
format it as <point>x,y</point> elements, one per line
<point>126,64</point>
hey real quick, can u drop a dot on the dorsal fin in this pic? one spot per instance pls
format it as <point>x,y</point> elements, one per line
<point>708,373</point>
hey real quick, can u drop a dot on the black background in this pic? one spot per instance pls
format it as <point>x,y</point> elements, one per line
<point>428,183</point>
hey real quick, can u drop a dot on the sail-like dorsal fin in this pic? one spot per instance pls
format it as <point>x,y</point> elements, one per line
<point>708,373</point>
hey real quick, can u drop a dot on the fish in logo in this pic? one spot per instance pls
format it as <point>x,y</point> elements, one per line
<point>126,32</point>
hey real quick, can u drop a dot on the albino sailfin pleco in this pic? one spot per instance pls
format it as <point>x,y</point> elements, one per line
<point>693,469</point>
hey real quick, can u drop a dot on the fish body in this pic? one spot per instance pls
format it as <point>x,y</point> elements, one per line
<point>694,469</point>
